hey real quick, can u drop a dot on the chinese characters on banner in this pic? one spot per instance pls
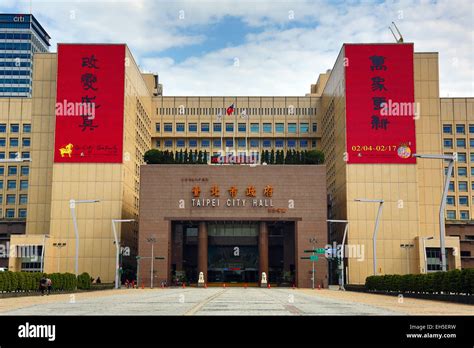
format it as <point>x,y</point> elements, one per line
<point>90,104</point>
<point>380,124</point>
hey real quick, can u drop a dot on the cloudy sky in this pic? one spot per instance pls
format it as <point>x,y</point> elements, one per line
<point>259,47</point>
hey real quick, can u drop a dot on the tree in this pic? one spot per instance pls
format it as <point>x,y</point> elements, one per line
<point>153,156</point>
<point>267,156</point>
<point>185,156</point>
<point>200,161</point>
<point>262,157</point>
<point>315,157</point>
<point>181,156</point>
<point>205,157</point>
<point>272,157</point>
<point>195,157</point>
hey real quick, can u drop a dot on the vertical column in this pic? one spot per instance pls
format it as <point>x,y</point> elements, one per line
<point>202,249</point>
<point>263,250</point>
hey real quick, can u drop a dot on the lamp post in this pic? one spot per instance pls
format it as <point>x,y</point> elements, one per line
<point>72,206</point>
<point>59,246</point>
<point>407,247</point>
<point>451,159</point>
<point>151,240</point>
<point>346,228</point>
<point>424,251</point>
<point>117,246</point>
<point>377,219</point>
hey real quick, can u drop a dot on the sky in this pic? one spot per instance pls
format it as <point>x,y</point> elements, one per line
<point>259,47</point>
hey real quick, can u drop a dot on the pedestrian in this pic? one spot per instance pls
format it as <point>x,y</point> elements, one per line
<point>127,283</point>
<point>133,284</point>
<point>42,285</point>
<point>49,284</point>
<point>98,281</point>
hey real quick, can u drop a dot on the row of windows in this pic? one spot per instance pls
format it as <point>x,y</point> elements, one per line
<point>14,81</point>
<point>462,186</point>
<point>15,128</point>
<point>10,72</point>
<point>241,127</point>
<point>13,170</point>
<point>10,213</point>
<point>255,143</point>
<point>14,89</point>
<point>12,184</point>
<point>462,201</point>
<point>289,110</point>
<point>15,46</point>
<point>460,129</point>
<point>463,214</point>
<point>15,55</point>
<point>11,199</point>
<point>14,36</point>
<point>13,154</point>
<point>460,143</point>
<point>14,142</point>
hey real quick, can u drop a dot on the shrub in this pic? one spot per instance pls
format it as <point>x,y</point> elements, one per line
<point>84,281</point>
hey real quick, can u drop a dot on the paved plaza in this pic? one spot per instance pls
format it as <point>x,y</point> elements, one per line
<point>225,301</point>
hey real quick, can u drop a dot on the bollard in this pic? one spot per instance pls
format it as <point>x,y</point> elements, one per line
<point>245,286</point>
<point>205,285</point>
<point>184,285</point>
<point>143,286</point>
<point>269,286</point>
<point>224,285</point>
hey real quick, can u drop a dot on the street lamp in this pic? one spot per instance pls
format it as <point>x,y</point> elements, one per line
<point>451,159</point>
<point>117,246</point>
<point>407,247</point>
<point>424,251</point>
<point>151,240</point>
<point>72,206</point>
<point>59,246</point>
<point>346,228</point>
<point>377,219</point>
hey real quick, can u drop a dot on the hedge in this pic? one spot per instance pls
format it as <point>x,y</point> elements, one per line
<point>455,281</point>
<point>28,281</point>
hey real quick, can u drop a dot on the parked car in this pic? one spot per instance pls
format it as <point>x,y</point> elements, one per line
<point>3,269</point>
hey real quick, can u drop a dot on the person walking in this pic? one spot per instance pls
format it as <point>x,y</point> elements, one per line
<point>49,285</point>
<point>42,285</point>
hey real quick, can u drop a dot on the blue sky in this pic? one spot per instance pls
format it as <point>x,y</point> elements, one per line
<point>259,47</point>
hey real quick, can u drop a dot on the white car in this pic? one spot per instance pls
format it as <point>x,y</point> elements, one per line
<point>3,269</point>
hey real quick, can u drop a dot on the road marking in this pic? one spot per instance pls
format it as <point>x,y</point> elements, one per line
<point>201,304</point>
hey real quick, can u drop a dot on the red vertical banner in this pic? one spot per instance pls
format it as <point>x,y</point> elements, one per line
<point>380,103</point>
<point>90,104</point>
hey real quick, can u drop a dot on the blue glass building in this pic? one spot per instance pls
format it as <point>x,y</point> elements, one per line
<point>20,37</point>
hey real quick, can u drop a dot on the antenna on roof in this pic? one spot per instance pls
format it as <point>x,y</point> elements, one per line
<point>400,39</point>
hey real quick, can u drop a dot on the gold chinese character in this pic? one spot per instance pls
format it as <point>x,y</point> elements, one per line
<point>215,191</point>
<point>251,191</point>
<point>196,191</point>
<point>268,191</point>
<point>233,191</point>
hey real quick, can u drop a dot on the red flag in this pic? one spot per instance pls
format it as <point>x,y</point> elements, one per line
<point>230,110</point>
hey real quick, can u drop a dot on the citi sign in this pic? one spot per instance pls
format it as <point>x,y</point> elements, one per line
<point>18,19</point>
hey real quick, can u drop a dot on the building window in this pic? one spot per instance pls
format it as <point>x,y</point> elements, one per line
<point>461,143</point>
<point>192,127</point>
<point>448,143</point>
<point>180,143</point>
<point>1,199</point>
<point>193,142</point>
<point>22,213</point>
<point>11,199</point>
<point>291,143</point>
<point>168,143</point>
<point>27,128</point>
<point>168,127</point>
<point>3,142</point>
<point>471,128</point>
<point>158,144</point>
<point>433,257</point>
<point>23,184</point>
<point>11,184</point>
<point>229,127</point>
<point>304,128</point>
<point>471,157</point>
<point>447,129</point>
<point>13,142</point>
<point>462,157</point>
<point>2,170</point>
<point>2,155</point>
<point>267,143</point>
<point>241,143</point>
<point>157,127</point>
<point>460,129</point>
<point>313,144</point>
<point>303,143</point>
<point>242,127</point>
<point>205,143</point>
<point>451,186</point>
<point>205,127</point>
<point>280,128</point>
<point>180,127</point>
<point>25,154</point>
<point>12,170</point>
<point>3,128</point>
<point>14,128</point>
<point>462,186</point>
<point>267,128</point>
<point>217,127</point>
<point>26,142</point>
<point>279,143</point>
<point>450,200</point>
<point>254,127</point>
<point>216,143</point>
<point>253,142</point>
<point>462,171</point>
<point>315,127</point>
<point>1,184</point>
<point>229,143</point>
<point>464,215</point>
<point>292,128</point>
<point>10,213</point>
<point>463,200</point>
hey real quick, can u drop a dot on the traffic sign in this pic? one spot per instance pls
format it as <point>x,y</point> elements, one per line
<point>313,257</point>
<point>317,251</point>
